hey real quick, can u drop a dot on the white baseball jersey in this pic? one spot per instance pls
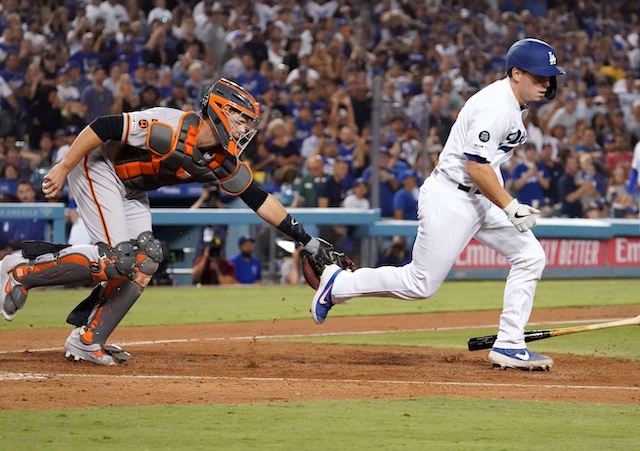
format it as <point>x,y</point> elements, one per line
<point>488,127</point>
<point>635,163</point>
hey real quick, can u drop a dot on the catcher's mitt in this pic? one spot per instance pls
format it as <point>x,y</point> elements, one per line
<point>313,265</point>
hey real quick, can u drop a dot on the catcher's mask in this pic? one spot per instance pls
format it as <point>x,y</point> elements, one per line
<point>234,113</point>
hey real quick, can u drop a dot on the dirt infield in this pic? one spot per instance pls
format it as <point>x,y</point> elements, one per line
<point>244,363</point>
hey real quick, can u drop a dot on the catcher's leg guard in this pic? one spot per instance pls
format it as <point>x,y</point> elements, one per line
<point>136,262</point>
<point>118,297</point>
<point>45,264</point>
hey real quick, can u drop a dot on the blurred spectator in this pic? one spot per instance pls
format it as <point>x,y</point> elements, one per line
<point>247,266</point>
<point>410,145</point>
<point>555,171</point>
<point>567,114</point>
<point>397,253</point>
<point>321,61</point>
<point>390,169</point>
<point>164,82</point>
<point>617,196</point>
<point>331,194</point>
<point>86,57</point>
<point>250,78</point>
<point>587,106</point>
<point>96,98</point>
<point>178,98</point>
<point>590,173</point>
<point>618,155</point>
<point>211,268</point>
<point>195,84</point>
<point>8,116</point>
<point>570,191</point>
<point>440,117</point>
<point>392,103</point>
<point>333,191</point>
<point>125,99</point>
<point>23,229</point>
<point>304,122</point>
<point>46,114</point>
<point>405,200</point>
<point>280,143</point>
<point>149,97</point>
<point>233,67</point>
<point>356,198</point>
<point>419,107</point>
<point>159,13</point>
<point>589,144</point>
<point>530,178</point>
<point>307,189</point>
<point>302,75</point>
<point>284,184</point>
<point>311,142</point>
<point>618,125</point>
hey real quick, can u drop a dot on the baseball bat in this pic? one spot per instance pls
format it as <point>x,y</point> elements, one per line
<point>486,342</point>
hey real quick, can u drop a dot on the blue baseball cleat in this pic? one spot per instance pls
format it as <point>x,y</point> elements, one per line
<point>522,359</point>
<point>322,303</point>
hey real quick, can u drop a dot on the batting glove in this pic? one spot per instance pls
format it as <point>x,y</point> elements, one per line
<point>521,216</point>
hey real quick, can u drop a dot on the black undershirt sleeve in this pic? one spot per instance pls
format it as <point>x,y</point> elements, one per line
<point>254,196</point>
<point>108,127</point>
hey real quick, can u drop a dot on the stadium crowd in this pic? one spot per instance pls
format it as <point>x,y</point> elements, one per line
<point>312,65</point>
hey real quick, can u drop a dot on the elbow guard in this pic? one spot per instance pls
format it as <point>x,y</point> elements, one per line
<point>254,196</point>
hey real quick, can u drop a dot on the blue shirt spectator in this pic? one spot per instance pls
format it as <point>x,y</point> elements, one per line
<point>248,268</point>
<point>530,178</point>
<point>405,200</point>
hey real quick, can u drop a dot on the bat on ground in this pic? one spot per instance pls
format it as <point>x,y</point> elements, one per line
<point>486,342</point>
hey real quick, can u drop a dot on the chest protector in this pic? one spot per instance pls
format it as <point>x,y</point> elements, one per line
<point>168,160</point>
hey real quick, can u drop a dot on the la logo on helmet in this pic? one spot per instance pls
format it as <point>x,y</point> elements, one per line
<point>552,59</point>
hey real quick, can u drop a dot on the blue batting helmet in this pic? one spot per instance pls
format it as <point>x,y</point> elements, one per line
<point>535,56</point>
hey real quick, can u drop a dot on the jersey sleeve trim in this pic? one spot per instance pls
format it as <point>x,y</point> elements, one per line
<point>476,158</point>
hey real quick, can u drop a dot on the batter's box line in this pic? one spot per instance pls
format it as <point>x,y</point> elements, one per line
<point>313,335</point>
<point>6,376</point>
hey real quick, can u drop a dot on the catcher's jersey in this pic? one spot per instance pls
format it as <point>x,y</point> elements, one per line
<point>489,127</point>
<point>156,150</point>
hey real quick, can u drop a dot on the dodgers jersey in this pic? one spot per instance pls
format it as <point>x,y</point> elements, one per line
<point>489,127</point>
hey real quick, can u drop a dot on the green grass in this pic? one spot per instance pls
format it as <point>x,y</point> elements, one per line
<point>48,308</point>
<point>412,424</point>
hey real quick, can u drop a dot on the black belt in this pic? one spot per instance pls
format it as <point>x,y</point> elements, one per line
<point>461,187</point>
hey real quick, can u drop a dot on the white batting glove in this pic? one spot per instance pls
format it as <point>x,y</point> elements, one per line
<point>521,216</point>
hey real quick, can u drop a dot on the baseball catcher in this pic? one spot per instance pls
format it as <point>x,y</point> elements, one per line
<point>314,265</point>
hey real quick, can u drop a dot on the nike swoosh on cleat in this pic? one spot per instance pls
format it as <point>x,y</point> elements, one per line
<point>524,355</point>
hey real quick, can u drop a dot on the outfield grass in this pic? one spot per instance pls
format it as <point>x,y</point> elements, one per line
<point>412,424</point>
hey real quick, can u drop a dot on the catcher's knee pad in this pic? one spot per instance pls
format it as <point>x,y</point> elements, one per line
<point>138,260</point>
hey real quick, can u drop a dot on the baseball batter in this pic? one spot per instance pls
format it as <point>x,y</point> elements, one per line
<point>111,165</point>
<point>464,198</point>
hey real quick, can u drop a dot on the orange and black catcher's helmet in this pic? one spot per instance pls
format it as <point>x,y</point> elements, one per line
<point>223,98</point>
